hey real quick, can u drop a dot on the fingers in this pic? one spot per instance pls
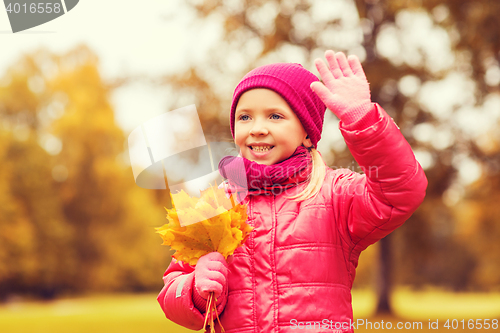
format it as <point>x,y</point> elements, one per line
<point>204,289</point>
<point>328,97</point>
<point>212,281</point>
<point>212,263</point>
<point>207,281</point>
<point>339,66</point>
<point>356,67</point>
<point>333,63</point>
<point>217,266</point>
<point>343,64</point>
<point>213,256</point>
<point>323,70</point>
<point>211,274</point>
<point>323,92</point>
<point>212,277</point>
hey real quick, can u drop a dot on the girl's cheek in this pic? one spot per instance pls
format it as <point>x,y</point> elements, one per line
<point>238,141</point>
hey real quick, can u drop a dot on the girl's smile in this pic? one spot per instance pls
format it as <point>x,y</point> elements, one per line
<point>260,151</point>
<point>267,130</point>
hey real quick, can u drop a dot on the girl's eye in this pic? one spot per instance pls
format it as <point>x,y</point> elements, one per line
<point>276,115</point>
<point>242,117</point>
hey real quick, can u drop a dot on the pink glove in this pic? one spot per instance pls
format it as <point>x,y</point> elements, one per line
<point>345,90</point>
<point>210,275</point>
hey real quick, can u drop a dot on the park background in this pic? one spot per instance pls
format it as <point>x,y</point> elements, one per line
<point>78,250</point>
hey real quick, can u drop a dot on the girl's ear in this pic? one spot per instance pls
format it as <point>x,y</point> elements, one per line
<point>307,142</point>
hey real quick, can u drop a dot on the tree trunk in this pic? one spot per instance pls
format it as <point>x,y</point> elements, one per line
<point>384,284</point>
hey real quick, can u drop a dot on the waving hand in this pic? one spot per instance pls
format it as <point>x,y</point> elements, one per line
<point>345,90</point>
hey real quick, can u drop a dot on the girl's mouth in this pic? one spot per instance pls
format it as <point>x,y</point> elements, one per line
<point>261,149</point>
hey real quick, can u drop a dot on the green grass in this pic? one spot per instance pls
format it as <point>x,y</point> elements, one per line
<point>91,314</point>
<point>142,313</point>
<point>430,305</point>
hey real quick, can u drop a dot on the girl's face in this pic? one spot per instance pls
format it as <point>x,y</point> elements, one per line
<point>265,127</point>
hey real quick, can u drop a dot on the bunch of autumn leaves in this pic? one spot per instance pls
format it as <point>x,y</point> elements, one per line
<point>210,223</point>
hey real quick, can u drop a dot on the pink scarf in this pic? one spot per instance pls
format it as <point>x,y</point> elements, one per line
<point>245,176</point>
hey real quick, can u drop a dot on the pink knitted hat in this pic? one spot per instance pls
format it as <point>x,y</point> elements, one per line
<point>292,81</point>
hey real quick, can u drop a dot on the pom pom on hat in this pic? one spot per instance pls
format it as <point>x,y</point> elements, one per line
<point>292,82</point>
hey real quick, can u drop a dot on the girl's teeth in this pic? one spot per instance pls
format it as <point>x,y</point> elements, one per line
<point>261,149</point>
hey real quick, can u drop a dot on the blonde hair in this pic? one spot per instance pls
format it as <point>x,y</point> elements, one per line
<point>315,178</point>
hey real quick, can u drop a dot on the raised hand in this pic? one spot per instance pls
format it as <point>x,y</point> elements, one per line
<point>345,90</point>
<point>210,274</point>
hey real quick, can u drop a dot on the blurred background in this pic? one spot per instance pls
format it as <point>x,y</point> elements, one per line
<point>77,241</point>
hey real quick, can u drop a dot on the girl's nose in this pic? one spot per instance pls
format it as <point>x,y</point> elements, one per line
<point>258,129</point>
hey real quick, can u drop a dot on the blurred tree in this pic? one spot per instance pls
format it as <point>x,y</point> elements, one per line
<point>109,213</point>
<point>72,218</point>
<point>433,66</point>
<point>32,228</point>
<point>429,244</point>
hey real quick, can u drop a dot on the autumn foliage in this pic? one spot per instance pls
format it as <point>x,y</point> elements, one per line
<point>197,226</point>
<point>72,219</point>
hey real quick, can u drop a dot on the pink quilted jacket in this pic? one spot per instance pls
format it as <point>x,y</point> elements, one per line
<point>297,267</point>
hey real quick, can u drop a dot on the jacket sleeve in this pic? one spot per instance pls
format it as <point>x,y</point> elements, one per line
<point>176,297</point>
<point>373,204</point>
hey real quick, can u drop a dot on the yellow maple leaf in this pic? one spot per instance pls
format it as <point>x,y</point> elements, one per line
<point>209,223</point>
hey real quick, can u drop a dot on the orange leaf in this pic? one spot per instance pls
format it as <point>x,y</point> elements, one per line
<point>197,226</point>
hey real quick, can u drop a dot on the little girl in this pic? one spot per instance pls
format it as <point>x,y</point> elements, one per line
<point>296,269</point>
